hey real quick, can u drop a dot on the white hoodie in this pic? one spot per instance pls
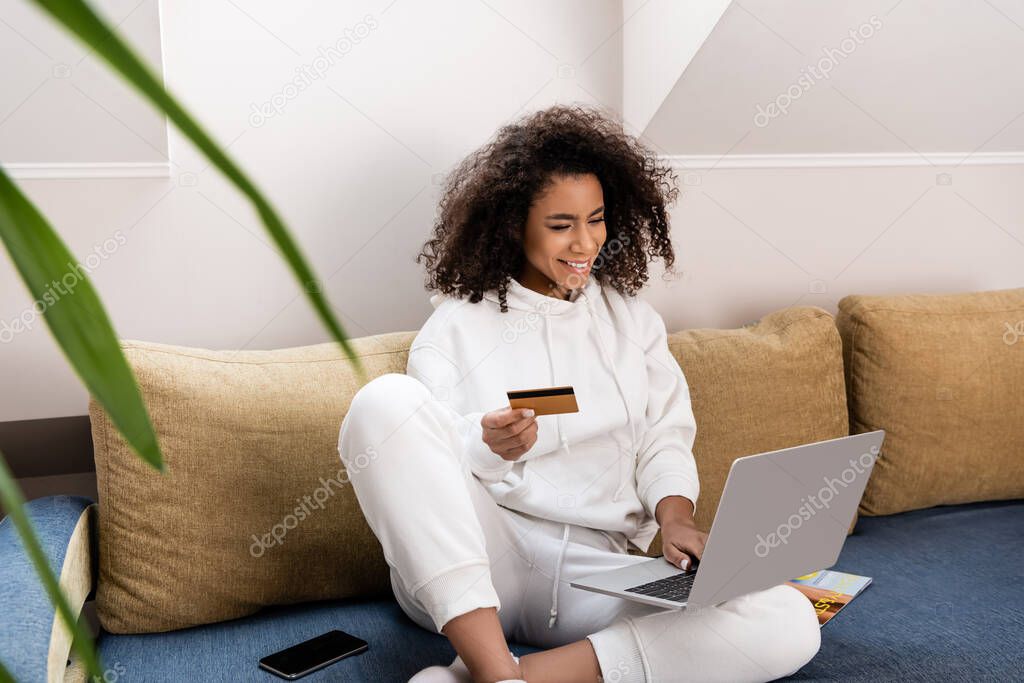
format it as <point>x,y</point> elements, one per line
<point>604,467</point>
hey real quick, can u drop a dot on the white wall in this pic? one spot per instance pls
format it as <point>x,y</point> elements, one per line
<point>61,104</point>
<point>659,40</point>
<point>351,162</point>
<point>753,241</point>
<point>919,79</point>
<point>917,76</point>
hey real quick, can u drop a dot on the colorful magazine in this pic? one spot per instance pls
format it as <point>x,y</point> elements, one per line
<point>830,591</point>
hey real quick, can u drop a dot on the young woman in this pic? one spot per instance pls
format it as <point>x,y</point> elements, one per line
<point>486,513</point>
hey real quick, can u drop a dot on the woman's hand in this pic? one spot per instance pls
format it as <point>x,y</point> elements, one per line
<point>681,541</point>
<point>509,432</point>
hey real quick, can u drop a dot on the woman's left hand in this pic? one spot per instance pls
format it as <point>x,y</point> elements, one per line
<point>681,540</point>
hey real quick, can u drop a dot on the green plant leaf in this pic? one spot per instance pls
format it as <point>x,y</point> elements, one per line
<point>5,677</point>
<point>75,317</point>
<point>14,503</point>
<point>80,19</point>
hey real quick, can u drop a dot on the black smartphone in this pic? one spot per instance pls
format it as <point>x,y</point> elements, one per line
<point>313,654</point>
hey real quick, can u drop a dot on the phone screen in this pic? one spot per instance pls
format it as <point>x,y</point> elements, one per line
<point>313,654</point>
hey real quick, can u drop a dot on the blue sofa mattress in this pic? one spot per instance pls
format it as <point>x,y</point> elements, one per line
<point>945,604</point>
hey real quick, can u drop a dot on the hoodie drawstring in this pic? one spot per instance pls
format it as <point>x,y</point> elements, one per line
<point>565,443</point>
<point>558,575</point>
<point>622,393</point>
<point>565,529</point>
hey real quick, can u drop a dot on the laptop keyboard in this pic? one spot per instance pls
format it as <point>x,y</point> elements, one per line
<point>675,588</point>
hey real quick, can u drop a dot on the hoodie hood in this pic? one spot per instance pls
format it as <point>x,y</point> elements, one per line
<point>520,297</point>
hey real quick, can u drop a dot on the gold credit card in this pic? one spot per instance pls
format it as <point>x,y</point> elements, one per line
<point>549,401</point>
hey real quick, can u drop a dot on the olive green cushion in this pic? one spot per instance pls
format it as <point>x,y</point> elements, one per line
<point>250,441</point>
<point>254,508</point>
<point>943,375</point>
<point>775,383</point>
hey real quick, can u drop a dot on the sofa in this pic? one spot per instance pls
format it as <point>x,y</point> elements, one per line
<point>253,541</point>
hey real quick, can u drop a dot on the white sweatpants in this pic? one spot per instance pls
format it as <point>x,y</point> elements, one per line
<point>451,549</point>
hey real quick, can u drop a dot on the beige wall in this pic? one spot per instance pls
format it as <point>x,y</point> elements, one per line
<point>352,163</point>
<point>60,104</point>
<point>916,76</point>
<point>752,241</point>
<point>928,88</point>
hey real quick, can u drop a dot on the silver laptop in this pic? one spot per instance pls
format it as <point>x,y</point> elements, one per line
<point>782,514</point>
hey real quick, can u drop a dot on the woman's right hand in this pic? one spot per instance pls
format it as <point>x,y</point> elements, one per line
<point>509,432</point>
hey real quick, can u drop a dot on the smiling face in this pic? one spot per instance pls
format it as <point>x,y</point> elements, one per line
<point>564,233</point>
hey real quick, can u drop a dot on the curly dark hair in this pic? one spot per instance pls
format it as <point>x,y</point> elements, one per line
<point>477,241</point>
